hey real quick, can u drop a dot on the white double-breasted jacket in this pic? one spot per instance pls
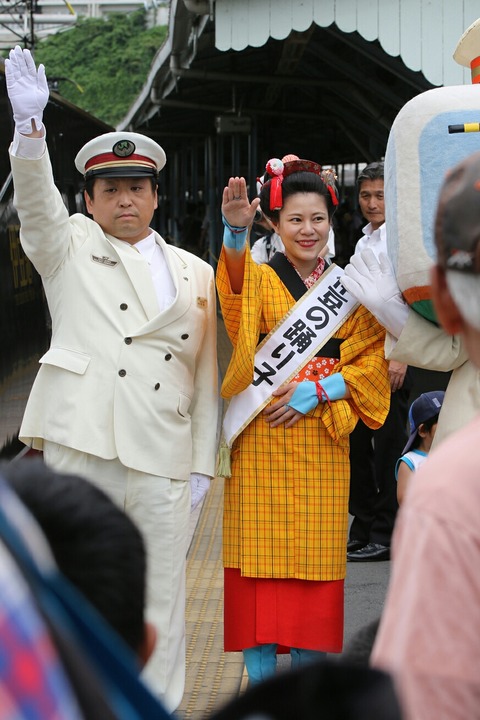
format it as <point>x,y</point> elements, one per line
<point>120,379</point>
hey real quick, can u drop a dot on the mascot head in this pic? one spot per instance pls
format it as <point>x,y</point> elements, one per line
<point>432,133</point>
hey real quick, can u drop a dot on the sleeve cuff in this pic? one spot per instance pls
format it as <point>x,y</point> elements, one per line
<point>26,147</point>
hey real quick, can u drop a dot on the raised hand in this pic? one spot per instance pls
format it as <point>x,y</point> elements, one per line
<point>236,207</point>
<point>27,90</point>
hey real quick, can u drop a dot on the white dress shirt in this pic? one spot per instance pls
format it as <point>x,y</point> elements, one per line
<point>374,239</point>
<point>162,279</point>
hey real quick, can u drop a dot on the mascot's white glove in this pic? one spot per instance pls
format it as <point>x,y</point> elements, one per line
<point>372,282</point>
<point>27,89</point>
<point>199,485</point>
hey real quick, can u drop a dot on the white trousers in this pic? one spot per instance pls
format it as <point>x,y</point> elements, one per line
<point>160,507</point>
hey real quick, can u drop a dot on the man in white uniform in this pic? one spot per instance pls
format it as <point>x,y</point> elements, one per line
<point>126,396</point>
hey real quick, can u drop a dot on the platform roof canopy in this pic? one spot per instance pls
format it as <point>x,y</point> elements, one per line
<point>320,78</point>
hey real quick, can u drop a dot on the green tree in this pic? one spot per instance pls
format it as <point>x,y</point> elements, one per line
<point>108,59</point>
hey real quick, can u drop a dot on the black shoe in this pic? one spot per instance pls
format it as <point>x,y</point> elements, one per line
<point>353,545</point>
<point>370,553</point>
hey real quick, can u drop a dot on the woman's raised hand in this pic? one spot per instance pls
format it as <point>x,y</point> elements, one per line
<point>237,210</point>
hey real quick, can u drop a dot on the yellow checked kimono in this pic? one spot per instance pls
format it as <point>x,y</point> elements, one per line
<point>286,503</point>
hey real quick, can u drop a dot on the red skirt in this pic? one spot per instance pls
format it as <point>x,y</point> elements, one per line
<point>292,613</point>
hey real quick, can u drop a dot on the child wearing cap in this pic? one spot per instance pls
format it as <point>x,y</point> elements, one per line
<point>423,419</point>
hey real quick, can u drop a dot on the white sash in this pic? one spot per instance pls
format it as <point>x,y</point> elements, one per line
<point>289,346</point>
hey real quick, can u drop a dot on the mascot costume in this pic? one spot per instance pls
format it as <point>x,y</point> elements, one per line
<point>432,132</point>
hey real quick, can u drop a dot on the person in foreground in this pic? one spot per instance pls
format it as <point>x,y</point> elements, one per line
<point>286,501</point>
<point>131,372</point>
<point>26,640</point>
<point>328,690</point>
<point>95,545</point>
<point>428,634</point>
<point>59,656</point>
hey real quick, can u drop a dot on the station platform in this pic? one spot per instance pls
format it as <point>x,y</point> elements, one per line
<point>213,677</point>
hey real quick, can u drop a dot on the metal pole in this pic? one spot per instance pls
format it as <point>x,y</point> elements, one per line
<point>32,29</point>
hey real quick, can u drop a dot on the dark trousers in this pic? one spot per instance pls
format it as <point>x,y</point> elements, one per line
<point>373,488</point>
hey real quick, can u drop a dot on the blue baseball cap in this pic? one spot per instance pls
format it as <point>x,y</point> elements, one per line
<point>425,407</point>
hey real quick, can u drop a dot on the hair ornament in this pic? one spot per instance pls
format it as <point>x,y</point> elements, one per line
<point>329,177</point>
<point>289,158</point>
<point>280,169</point>
<point>297,165</point>
<point>275,168</point>
<point>260,183</point>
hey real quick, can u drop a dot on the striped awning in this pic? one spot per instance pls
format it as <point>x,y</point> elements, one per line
<point>424,33</point>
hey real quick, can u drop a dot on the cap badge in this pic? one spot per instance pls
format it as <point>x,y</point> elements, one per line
<point>123,148</point>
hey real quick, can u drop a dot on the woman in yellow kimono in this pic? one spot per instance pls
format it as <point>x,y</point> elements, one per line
<point>286,502</point>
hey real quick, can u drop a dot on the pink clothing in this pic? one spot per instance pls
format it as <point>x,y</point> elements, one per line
<point>429,636</point>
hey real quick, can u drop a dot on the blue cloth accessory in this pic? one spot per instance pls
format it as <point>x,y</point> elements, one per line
<point>234,237</point>
<point>308,394</point>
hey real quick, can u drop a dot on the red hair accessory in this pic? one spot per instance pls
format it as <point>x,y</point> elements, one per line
<point>298,165</point>
<point>289,158</point>
<point>280,169</point>
<point>329,178</point>
<point>275,168</point>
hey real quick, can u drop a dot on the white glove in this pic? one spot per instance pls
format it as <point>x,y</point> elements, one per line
<point>199,485</point>
<point>27,89</point>
<point>372,282</point>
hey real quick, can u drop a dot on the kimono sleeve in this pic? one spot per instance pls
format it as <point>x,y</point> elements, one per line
<point>242,316</point>
<point>365,371</point>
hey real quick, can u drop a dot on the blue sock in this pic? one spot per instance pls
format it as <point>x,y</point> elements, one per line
<point>260,661</point>
<point>300,657</point>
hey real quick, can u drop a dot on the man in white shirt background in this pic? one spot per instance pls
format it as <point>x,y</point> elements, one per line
<point>374,453</point>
